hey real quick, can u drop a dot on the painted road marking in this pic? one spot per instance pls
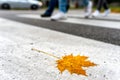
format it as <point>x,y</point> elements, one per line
<point>97,23</point>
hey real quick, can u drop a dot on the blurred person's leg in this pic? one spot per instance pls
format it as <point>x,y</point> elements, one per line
<point>62,11</point>
<point>50,9</point>
<point>68,5</point>
<point>102,3</point>
<point>99,7</point>
<point>106,7</point>
<point>88,7</point>
<point>85,2</point>
<point>62,6</point>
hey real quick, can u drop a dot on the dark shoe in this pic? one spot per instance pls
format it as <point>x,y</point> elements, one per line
<point>45,15</point>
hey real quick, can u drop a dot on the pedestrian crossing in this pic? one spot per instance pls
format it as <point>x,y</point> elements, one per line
<point>103,30</point>
<point>108,22</point>
<point>18,62</point>
<point>110,17</point>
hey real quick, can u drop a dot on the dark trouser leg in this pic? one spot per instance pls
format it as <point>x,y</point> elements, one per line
<point>102,3</point>
<point>105,5</point>
<point>51,7</point>
<point>68,5</point>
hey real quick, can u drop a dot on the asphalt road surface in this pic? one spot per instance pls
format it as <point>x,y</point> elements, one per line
<point>104,34</point>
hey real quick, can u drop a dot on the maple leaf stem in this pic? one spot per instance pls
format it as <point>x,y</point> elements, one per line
<point>45,53</point>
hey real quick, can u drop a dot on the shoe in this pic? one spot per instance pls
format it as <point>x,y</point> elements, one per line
<point>96,13</point>
<point>88,9</point>
<point>106,12</point>
<point>59,16</point>
<point>45,15</point>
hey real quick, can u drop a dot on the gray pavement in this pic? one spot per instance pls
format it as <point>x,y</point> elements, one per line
<point>18,34</point>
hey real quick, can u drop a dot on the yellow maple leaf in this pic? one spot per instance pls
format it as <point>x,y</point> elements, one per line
<point>74,64</point>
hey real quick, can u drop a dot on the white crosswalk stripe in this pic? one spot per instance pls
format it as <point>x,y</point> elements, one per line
<point>18,62</point>
<point>97,23</point>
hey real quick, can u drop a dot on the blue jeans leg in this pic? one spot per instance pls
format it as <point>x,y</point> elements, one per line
<point>62,6</point>
<point>51,7</point>
<point>86,2</point>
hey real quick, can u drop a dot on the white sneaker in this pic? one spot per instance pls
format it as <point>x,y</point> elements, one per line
<point>88,9</point>
<point>96,13</point>
<point>106,12</point>
<point>59,16</point>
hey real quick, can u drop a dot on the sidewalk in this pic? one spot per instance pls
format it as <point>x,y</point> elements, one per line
<point>19,62</point>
